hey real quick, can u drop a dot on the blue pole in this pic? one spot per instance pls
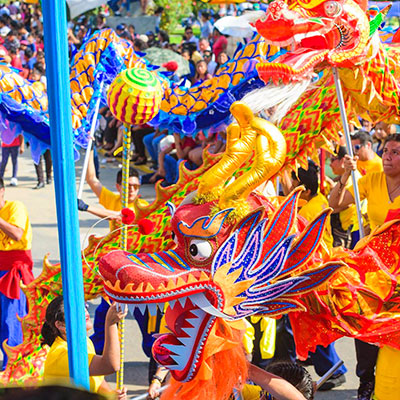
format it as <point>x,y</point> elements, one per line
<point>59,95</point>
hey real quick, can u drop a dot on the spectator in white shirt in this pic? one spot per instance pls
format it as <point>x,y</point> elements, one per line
<point>206,26</point>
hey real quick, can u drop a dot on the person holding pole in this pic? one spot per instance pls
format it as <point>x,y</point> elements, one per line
<point>382,190</point>
<point>15,265</point>
<point>112,209</point>
<point>56,366</point>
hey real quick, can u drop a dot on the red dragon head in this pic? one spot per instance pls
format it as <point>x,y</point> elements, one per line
<point>235,256</point>
<point>318,32</point>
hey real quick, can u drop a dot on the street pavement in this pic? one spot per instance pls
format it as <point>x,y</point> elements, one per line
<point>42,212</point>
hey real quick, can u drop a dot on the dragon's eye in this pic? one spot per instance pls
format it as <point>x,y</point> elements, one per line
<point>332,8</point>
<point>200,249</point>
<point>174,238</point>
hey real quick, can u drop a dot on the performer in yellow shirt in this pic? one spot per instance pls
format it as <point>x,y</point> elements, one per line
<point>15,265</point>
<point>366,354</point>
<point>56,366</point>
<point>109,200</point>
<point>368,160</point>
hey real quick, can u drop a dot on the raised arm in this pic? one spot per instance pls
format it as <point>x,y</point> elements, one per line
<point>91,178</point>
<point>108,363</point>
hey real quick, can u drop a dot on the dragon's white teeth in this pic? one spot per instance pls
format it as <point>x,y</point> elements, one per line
<point>190,331</point>
<point>180,356</point>
<point>180,359</point>
<point>172,367</point>
<point>172,303</point>
<point>152,309</point>
<point>131,308</point>
<point>182,300</point>
<point>142,308</point>
<point>186,341</point>
<point>197,313</point>
<point>174,348</point>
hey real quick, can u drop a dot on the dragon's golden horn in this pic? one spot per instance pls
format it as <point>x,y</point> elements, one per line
<point>240,142</point>
<point>270,152</point>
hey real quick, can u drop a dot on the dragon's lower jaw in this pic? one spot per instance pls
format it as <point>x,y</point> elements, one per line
<point>292,67</point>
<point>181,351</point>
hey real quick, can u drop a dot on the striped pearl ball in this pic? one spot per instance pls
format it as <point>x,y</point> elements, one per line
<point>134,97</point>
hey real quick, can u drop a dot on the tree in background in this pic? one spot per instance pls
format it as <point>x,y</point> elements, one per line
<point>176,10</point>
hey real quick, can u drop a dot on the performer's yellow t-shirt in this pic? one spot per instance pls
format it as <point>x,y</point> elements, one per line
<point>56,366</point>
<point>112,201</point>
<point>15,213</point>
<point>373,188</point>
<point>312,209</point>
<point>374,165</point>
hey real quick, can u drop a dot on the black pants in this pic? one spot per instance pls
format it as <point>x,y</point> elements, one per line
<point>366,360</point>
<point>110,134</point>
<point>48,164</point>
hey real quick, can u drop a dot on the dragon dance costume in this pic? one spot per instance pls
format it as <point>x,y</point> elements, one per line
<point>232,253</point>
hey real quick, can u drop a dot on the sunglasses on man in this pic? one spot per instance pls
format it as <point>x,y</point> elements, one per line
<point>135,186</point>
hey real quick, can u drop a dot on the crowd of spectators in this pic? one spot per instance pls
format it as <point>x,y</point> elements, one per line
<point>21,40</point>
<point>162,151</point>
<point>22,48</point>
